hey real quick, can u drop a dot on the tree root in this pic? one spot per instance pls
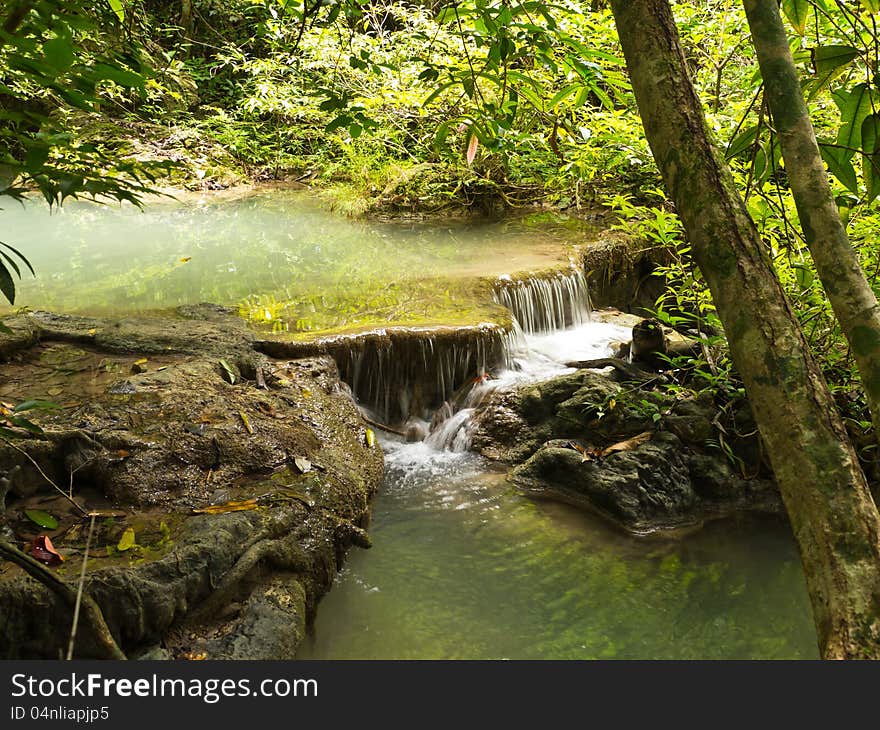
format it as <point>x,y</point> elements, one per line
<point>91,612</point>
<point>631,372</point>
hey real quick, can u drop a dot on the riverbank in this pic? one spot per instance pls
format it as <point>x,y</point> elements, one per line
<point>226,486</point>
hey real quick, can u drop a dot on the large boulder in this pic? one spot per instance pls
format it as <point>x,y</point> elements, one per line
<point>674,472</point>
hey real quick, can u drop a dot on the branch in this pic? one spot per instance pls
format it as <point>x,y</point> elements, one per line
<point>630,371</point>
<point>92,615</point>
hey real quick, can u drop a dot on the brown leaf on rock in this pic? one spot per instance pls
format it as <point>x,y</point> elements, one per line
<point>43,550</point>
<point>595,454</point>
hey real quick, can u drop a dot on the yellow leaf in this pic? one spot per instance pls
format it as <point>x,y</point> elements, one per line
<point>370,438</point>
<point>185,259</point>
<point>219,509</point>
<point>126,542</point>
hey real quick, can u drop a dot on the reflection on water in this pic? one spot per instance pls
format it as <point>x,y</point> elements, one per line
<point>280,248</point>
<point>462,567</point>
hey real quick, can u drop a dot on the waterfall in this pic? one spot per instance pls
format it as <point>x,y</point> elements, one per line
<point>429,381</point>
<point>405,374</point>
<point>546,304</point>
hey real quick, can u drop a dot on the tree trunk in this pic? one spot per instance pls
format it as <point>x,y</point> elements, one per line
<point>833,516</point>
<point>186,16</point>
<point>846,285</point>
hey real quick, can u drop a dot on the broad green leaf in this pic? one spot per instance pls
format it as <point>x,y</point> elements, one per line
<point>43,519</point>
<point>840,166</point>
<point>803,275</point>
<point>21,422</point>
<point>828,63</point>
<point>826,58</point>
<point>230,373</point>
<point>871,155</point>
<point>854,106</point>
<point>121,76</point>
<point>743,141</point>
<point>796,11</point>
<point>872,6</point>
<point>59,53</point>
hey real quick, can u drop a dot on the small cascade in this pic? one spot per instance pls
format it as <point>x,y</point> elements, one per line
<point>408,374</point>
<point>546,304</point>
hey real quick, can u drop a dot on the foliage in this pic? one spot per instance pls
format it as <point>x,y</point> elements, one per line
<point>56,68</point>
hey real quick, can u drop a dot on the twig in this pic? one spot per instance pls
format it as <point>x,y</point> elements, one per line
<point>43,474</point>
<point>630,371</point>
<point>383,427</point>
<point>79,590</point>
<point>104,640</point>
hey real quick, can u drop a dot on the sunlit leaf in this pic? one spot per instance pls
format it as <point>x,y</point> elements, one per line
<point>797,12</point>
<point>237,506</point>
<point>840,165</point>
<point>854,106</point>
<point>127,541</point>
<point>117,7</point>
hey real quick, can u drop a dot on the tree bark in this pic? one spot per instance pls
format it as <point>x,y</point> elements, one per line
<point>837,264</point>
<point>833,516</point>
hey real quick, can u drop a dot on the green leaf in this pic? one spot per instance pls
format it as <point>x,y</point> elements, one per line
<point>43,519</point>
<point>828,63</point>
<point>872,6</point>
<point>796,11</point>
<point>21,422</point>
<point>854,106</point>
<point>20,256</point>
<point>803,275</point>
<point>743,141</point>
<point>5,330</point>
<point>871,155</point>
<point>230,373</point>
<point>839,165</point>
<point>30,405</point>
<point>117,7</point>
<point>564,93</point>
<point>59,53</point>
<point>7,285</point>
<point>123,77</point>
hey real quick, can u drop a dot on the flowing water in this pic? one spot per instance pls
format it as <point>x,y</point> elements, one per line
<point>462,566</point>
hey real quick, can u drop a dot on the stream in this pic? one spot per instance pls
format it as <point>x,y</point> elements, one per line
<point>462,566</point>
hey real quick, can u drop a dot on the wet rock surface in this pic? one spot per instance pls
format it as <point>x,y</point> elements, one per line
<point>158,420</point>
<point>673,473</point>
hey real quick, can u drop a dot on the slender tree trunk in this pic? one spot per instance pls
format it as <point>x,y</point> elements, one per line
<point>837,264</point>
<point>833,516</point>
<point>186,16</point>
